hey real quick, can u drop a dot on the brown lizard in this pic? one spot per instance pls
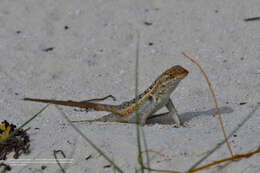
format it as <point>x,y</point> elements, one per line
<point>146,104</point>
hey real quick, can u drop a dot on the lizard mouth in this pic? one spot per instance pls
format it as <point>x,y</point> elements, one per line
<point>182,73</point>
<point>186,72</point>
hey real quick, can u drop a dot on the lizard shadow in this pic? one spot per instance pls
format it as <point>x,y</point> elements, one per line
<point>165,118</point>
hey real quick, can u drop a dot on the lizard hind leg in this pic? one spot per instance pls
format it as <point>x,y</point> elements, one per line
<point>107,118</point>
<point>96,100</point>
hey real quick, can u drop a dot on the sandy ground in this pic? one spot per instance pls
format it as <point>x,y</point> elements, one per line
<point>78,50</point>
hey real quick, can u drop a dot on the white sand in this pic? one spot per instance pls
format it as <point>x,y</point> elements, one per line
<point>95,57</point>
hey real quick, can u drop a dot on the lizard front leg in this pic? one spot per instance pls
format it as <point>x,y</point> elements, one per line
<point>172,110</point>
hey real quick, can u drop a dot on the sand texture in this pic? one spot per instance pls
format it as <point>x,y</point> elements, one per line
<point>79,50</point>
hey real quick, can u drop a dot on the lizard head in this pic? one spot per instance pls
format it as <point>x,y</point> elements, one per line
<point>175,73</point>
<point>171,77</point>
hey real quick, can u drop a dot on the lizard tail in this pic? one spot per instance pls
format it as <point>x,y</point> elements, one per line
<point>85,104</point>
<point>106,118</point>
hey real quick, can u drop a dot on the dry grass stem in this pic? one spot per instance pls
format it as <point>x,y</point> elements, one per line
<point>234,157</point>
<point>215,101</point>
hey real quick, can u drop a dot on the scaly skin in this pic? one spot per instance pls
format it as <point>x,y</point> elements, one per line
<point>146,104</point>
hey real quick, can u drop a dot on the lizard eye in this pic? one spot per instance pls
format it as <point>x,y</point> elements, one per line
<point>172,76</point>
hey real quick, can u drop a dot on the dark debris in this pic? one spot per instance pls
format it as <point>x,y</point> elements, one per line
<point>6,167</point>
<point>251,19</point>
<point>48,49</point>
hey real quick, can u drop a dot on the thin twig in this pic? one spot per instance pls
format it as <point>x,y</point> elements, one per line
<point>235,157</point>
<point>151,169</point>
<point>215,101</point>
<point>148,166</point>
<point>251,19</point>
<point>100,99</point>
<point>58,162</point>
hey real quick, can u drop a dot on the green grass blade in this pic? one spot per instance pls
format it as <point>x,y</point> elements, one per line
<point>137,113</point>
<point>223,141</point>
<point>146,148</point>
<point>89,141</point>
<point>24,124</point>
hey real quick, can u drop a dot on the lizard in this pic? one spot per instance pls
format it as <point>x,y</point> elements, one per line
<point>146,104</point>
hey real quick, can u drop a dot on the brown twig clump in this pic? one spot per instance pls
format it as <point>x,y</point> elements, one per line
<point>5,167</point>
<point>13,140</point>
